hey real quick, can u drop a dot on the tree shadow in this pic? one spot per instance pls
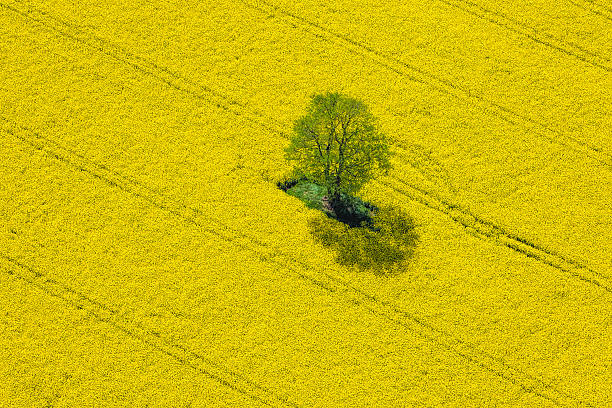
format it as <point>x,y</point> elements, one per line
<point>379,239</point>
<point>381,245</point>
<point>348,209</point>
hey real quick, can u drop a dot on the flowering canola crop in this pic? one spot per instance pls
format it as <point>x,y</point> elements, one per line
<point>148,258</point>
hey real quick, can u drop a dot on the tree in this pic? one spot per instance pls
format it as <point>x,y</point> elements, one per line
<point>337,145</point>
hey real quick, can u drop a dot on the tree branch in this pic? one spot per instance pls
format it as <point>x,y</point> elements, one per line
<point>315,137</point>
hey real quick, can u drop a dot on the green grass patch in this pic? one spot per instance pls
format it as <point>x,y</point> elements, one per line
<point>310,193</point>
<point>353,211</point>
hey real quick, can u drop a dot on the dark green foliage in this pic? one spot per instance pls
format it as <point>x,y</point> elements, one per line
<point>352,211</point>
<point>336,148</point>
<point>286,185</point>
<point>337,145</point>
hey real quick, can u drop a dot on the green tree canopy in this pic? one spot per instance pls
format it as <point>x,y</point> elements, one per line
<point>337,145</point>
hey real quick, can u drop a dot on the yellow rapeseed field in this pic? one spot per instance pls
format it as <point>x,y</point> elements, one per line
<point>147,257</point>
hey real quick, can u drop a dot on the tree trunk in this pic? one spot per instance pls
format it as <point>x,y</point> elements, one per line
<point>336,202</point>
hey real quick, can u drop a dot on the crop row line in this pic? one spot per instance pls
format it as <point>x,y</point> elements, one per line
<point>143,65</point>
<point>322,279</point>
<point>510,240</point>
<point>318,282</point>
<point>106,314</point>
<point>543,38</point>
<point>174,80</point>
<point>595,8</point>
<point>440,84</point>
<point>114,179</point>
<point>598,4</point>
<point>207,94</point>
<point>170,78</point>
<point>182,84</point>
<point>487,230</point>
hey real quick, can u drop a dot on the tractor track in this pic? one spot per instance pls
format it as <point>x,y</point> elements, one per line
<point>110,316</point>
<point>440,84</point>
<point>323,279</point>
<point>548,40</point>
<point>182,84</point>
<point>595,8</point>
<point>528,383</point>
<point>142,65</point>
<point>487,230</point>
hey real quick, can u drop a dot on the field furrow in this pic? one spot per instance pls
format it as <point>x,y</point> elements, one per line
<point>107,315</point>
<point>325,280</point>
<point>492,232</point>
<point>595,8</point>
<point>494,365</point>
<point>140,149</point>
<point>544,38</point>
<point>213,97</point>
<point>69,349</point>
<point>197,326</point>
<point>452,88</point>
